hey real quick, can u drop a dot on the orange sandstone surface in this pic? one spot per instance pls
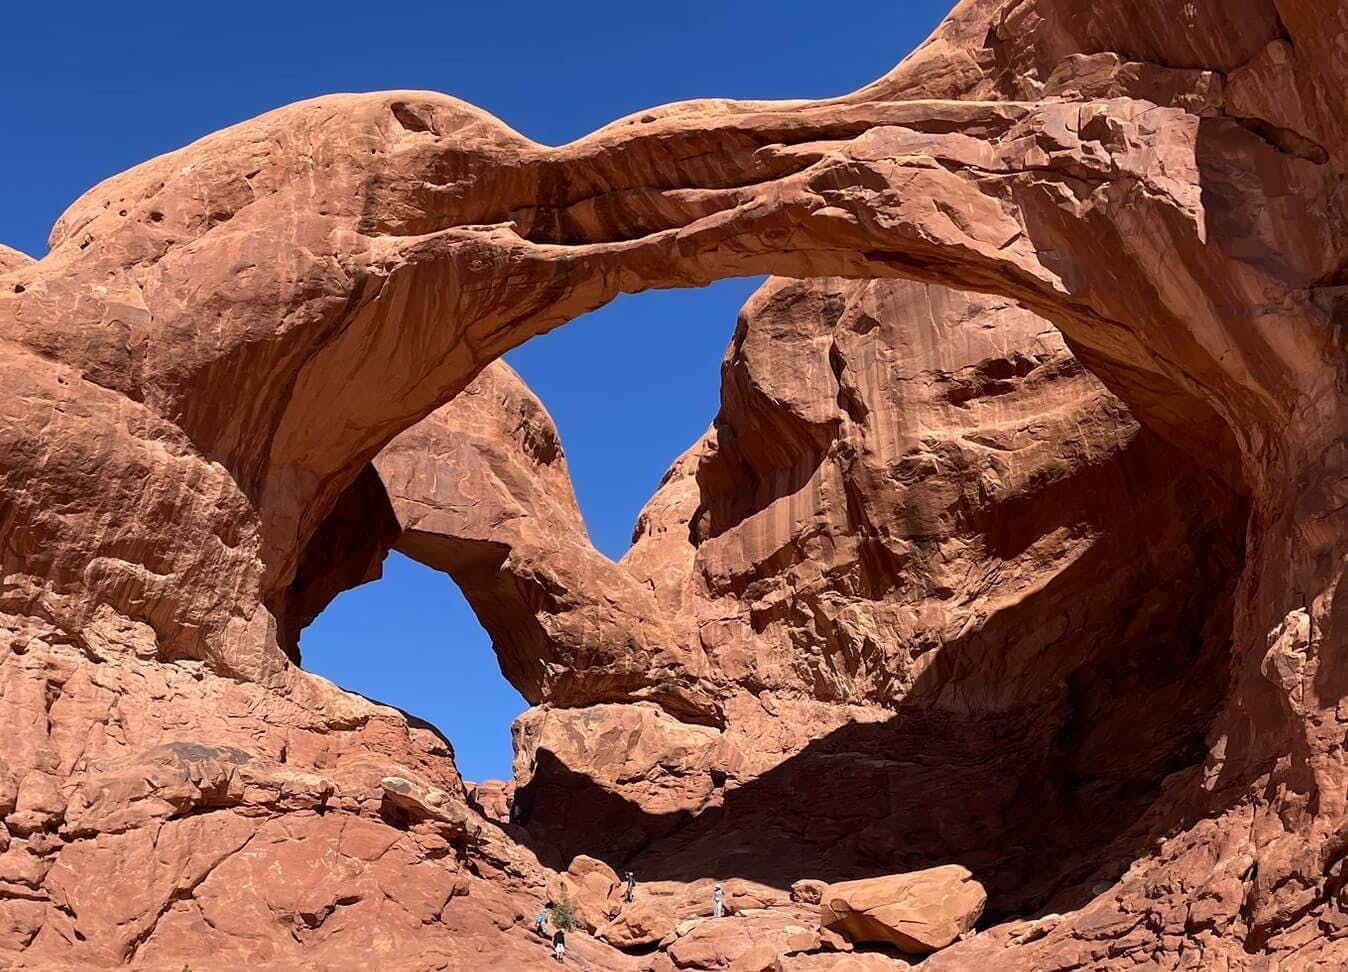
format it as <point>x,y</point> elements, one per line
<point>1015,549</point>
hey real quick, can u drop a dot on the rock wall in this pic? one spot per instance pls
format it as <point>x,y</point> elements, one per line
<point>921,553</point>
<point>220,342</point>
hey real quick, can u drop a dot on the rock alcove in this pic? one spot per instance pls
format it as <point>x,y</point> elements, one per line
<point>921,553</point>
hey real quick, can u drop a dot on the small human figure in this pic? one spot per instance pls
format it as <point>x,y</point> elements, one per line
<point>631,888</point>
<point>540,923</point>
<point>559,945</point>
<point>717,902</point>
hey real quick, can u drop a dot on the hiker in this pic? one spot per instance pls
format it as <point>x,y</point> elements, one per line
<point>540,923</point>
<point>717,902</point>
<point>631,887</point>
<point>559,945</point>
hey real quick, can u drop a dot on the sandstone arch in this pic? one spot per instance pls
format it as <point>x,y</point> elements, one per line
<point>190,391</point>
<point>921,553</point>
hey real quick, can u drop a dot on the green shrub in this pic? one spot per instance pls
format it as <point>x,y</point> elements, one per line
<point>563,915</point>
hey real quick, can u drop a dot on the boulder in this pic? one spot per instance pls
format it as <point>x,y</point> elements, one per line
<point>593,889</point>
<point>831,941</point>
<point>863,963</point>
<point>642,923</point>
<point>918,913</point>
<point>761,958</point>
<point>808,891</point>
<point>709,943</point>
<point>492,799</point>
<point>412,803</point>
<point>666,911</point>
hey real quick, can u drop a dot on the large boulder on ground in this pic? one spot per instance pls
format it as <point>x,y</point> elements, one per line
<point>593,890</point>
<point>640,924</point>
<point>851,963</point>
<point>666,910</point>
<point>808,891</point>
<point>917,913</point>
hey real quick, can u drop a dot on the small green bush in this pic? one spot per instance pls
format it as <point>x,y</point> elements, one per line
<point>563,915</point>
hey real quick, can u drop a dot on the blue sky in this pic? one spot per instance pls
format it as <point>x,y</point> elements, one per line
<point>93,89</point>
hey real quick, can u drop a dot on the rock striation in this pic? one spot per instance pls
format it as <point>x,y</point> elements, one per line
<point>979,545</point>
<point>918,913</point>
<point>1028,493</point>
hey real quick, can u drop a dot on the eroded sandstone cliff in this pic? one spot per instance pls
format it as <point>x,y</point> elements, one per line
<point>920,554</point>
<point>1082,637</point>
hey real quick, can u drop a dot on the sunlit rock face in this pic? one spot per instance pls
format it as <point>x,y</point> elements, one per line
<point>927,593</point>
<point>922,552</point>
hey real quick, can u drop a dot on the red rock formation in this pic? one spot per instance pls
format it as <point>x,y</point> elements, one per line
<point>919,913</point>
<point>978,546</point>
<point>569,626</point>
<point>198,374</point>
<point>12,259</point>
<point>492,799</point>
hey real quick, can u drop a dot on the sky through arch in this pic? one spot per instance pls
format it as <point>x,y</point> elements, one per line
<point>630,386</point>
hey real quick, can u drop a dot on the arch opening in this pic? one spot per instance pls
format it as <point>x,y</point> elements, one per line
<point>933,558</point>
<point>410,640</point>
<point>944,554</point>
<point>633,384</point>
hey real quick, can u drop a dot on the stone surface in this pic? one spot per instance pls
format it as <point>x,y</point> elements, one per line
<point>593,890</point>
<point>12,259</point>
<point>710,943</point>
<point>761,958</point>
<point>980,498</point>
<point>917,913</point>
<point>665,911</point>
<point>922,555</point>
<point>493,799</point>
<point>850,963</point>
<point>808,891</point>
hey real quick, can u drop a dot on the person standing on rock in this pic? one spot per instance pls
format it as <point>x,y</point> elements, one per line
<point>717,901</point>
<point>540,922</point>
<point>631,894</point>
<point>559,945</point>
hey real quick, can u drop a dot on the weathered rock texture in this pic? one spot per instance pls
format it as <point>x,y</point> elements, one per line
<point>919,913</point>
<point>971,575</point>
<point>923,565</point>
<point>480,490</point>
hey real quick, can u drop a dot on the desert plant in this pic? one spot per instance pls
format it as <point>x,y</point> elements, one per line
<point>563,914</point>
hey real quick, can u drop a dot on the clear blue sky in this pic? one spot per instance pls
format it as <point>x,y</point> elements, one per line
<point>92,89</point>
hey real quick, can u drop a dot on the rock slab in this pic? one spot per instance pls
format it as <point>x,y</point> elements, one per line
<point>918,913</point>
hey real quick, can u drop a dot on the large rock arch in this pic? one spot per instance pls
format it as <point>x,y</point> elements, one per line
<point>221,339</point>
